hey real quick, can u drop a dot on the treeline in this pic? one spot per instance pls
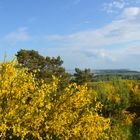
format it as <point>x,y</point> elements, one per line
<point>49,66</point>
<point>53,65</point>
<point>108,77</point>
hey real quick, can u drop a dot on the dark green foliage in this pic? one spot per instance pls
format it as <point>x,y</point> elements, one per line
<point>31,59</point>
<point>48,66</point>
<point>82,76</point>
<point>109,76</point>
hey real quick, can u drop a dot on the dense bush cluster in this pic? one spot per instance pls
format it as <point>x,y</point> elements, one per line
<point>31,109</point>
<point>35,109</point>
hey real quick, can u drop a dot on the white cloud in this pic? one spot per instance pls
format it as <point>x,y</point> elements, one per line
<point>118,31</point>
<point>116,6</point>
<point>131,11</point>
<point>132,50</point>
<point>20,35</point>
<point>112,6</point>
<point>104,44</point>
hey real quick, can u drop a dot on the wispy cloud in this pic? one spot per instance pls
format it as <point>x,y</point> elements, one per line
<point>114,6</point>
<point>131,11</point>
<point>115,45</point>
<point>118,31</point>
<point>19,35</point>
<point>115,42</point>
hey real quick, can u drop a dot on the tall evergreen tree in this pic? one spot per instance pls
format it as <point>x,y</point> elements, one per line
<point>48,66</point>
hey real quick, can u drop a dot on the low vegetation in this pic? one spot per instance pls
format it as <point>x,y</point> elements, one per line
<point>60,106</point>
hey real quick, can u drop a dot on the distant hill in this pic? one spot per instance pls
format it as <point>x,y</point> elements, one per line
<point>115,71</point>
<point>111,71</point>
<point>108,74</point>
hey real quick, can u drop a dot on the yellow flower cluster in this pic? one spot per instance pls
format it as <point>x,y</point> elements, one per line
<point>33,109</point>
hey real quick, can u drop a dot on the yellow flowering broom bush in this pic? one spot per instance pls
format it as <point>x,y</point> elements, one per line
<point>31,109</point>
<point>118,99</point>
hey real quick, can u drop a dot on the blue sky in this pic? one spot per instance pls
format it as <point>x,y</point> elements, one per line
<point>96,34</point>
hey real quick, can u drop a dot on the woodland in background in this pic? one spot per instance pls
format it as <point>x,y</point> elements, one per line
<point>40,100</point>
